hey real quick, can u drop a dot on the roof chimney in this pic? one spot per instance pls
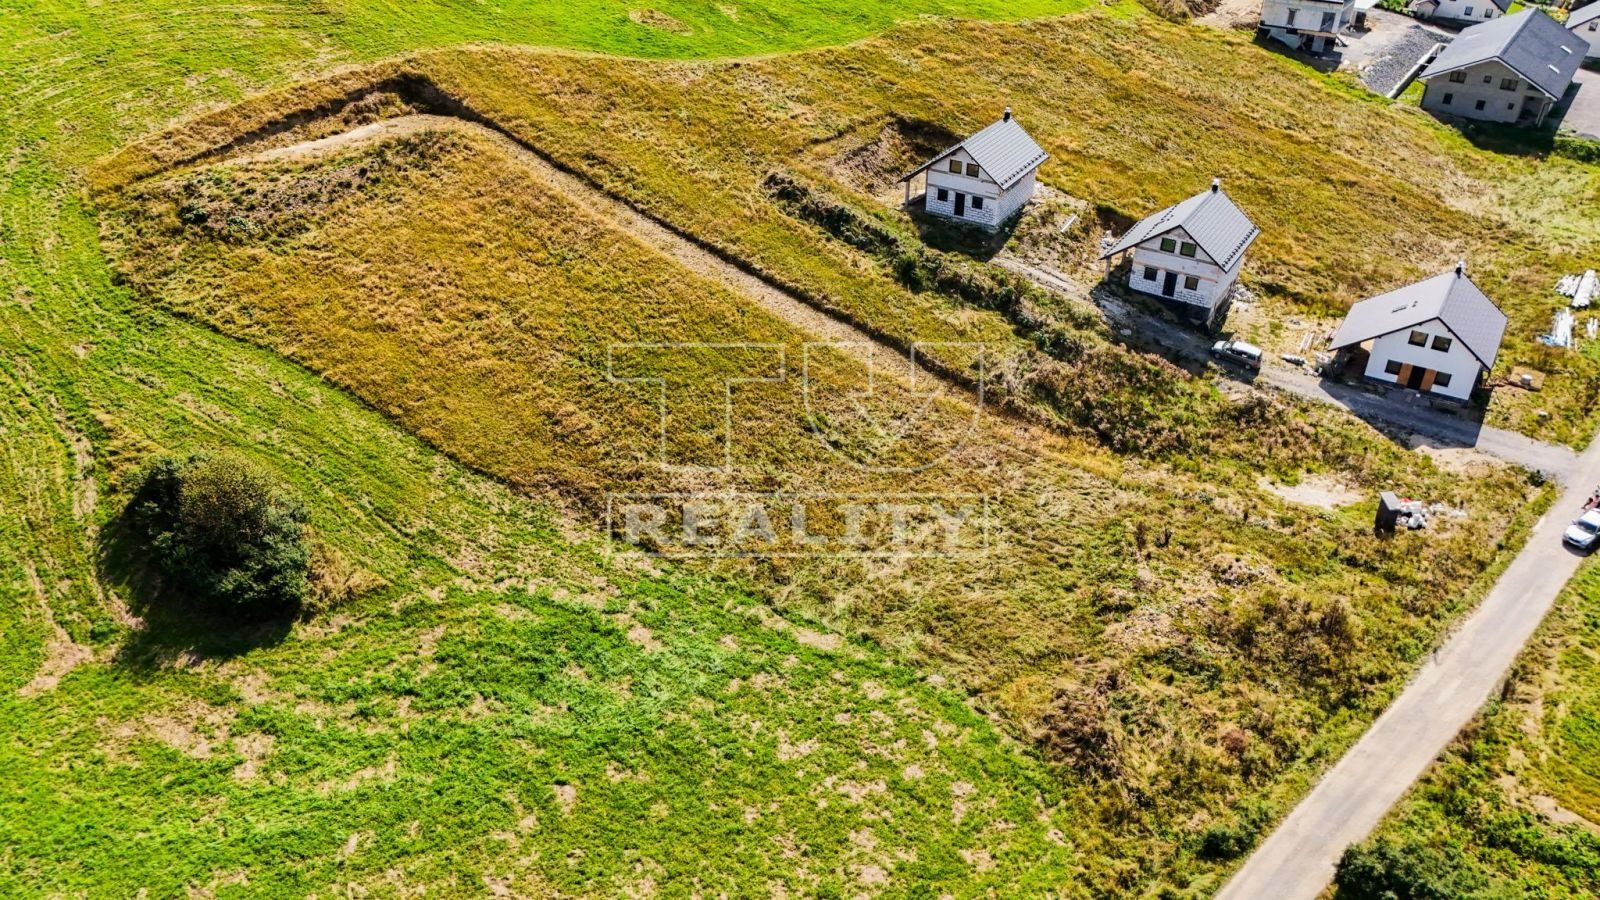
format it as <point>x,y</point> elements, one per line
<point>1461,267</point>
<point>1216,185</point>
<point>1007,116</point>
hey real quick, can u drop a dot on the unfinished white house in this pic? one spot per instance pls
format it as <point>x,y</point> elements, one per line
<point>1585,23</point>
<point>1189,254</point>
<point>985,179</point>
<point>1460,11</point>
<point>1309,25</point>
<point>1512,70</point>
<point>1436,336</point>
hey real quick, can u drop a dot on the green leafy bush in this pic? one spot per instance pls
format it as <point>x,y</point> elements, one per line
<point>1233,840</point>
<point>1384,870</point>
<point>220,533</point>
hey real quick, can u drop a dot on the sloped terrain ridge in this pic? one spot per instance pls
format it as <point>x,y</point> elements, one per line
<point>1153,624</point>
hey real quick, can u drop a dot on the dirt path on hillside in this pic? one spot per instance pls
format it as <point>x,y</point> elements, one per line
<point>815,323</point>
<point>1233,14</point>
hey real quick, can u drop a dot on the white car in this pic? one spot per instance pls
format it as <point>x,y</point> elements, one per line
<point>1585,532</point>
<point>1244,354</point>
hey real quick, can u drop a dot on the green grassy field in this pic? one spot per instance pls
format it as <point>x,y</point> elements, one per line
<point>514,710</point>
<point>375,749</point>
<point>1513,808</point>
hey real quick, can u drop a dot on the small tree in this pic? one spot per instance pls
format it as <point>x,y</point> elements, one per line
<point>220,532</point>
<point>1385,870</point>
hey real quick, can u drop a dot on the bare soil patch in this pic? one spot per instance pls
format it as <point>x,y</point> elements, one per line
<point>655,18</point>
<point>1321,491</point>
<point>901,144</point>
<point>61,653</point>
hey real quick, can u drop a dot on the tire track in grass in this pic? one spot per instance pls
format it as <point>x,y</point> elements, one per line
<point>791,309</point>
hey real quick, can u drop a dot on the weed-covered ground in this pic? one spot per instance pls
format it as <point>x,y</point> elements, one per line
<point>1513,808</point>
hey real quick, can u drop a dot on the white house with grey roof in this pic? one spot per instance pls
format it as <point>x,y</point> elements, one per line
<point>1313,26</point>
<point>985,179</point>
<point>1512,70</point>
<point>1585,23</point>
<point>1468,12</point>
<point>1190,253</point>
<point>1436,336</point>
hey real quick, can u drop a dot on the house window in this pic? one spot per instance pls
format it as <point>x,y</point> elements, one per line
<point>1488,79</point>
<point>1488,12</point>
<point>977,203</point>
<point>1290,23</point>
<point>1168,245</point>
<point>972,169</point>
<point>1458,76</point>
<point>1151,273</point>
<point>1327,21</point>
<point>955,166</point>
<point>1448,98</point>
<point>1418,339</point>
<point>944,195</point>
<point>1187,249</point>
<point>1479,104</point>
<point>1392,367</point>
<point>1468,11</point>
<point>1508,84</point>
<point>1442,343</point>
<point>1191,283</point>
<point>1441,379</point>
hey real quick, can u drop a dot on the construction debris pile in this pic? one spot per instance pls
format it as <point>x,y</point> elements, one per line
<point>1560,330</point>
<point>1394,512</point>
<point>1581,288</point>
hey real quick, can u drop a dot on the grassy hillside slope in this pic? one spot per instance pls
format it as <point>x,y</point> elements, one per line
<point>439,277</point>
<point>407,740</point>
<point>295,764</point>
<point>1355,195</point>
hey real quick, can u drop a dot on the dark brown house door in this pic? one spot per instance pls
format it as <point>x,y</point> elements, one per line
<point>1414,380</point>
<point>961,204</point>
<point>1170,286</point>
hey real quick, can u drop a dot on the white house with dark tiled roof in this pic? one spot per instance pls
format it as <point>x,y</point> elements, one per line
<point>1585,23</point>
<point>1464,11</point>
<point>1190,253</point>
<point>1512,70</point>
<point>1436,336</point>
<point>1313,26</point>
<point>985,179</point>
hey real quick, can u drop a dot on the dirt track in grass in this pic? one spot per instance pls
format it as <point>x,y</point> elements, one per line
<point>779,303</point>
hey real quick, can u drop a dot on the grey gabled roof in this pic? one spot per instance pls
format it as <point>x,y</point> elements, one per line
<point>1003,150</point>
<point>1531,43</point>
<point>1451,298</point>
<point>1221,229</point>
<point>1583,14</point>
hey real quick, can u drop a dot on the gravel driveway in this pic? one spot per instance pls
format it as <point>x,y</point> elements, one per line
<point>1393,44</point>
